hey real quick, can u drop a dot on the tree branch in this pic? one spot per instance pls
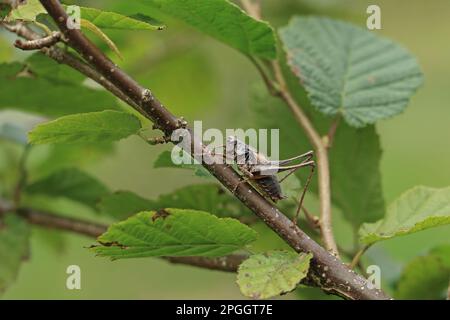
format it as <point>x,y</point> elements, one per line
<point>41,43</point>
<point>229,263</point>
<point>326,270</point>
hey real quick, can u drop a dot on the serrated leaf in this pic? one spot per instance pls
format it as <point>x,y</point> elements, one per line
<point>270,274</point>
<point>70,183</point>
<point>418,209</point>
<point>354,157</point>
<point>32,93</point>
<point>123,204</point>
<point>164,160</point>
<point>113,20</point>
<point>350,71</point>
<point>174,232</point>
<point>224,21</point>
<point>14,247</point>
<point>104,126</point>
<point>426,277</point>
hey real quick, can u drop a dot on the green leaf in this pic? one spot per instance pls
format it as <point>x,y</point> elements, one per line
<point>354,157</point>
<point>105,126</point>
<point>426,277</point>
<point>5,10</point>
<point>355,174</point>
<point>30,92</point>
<point>164,160</point>
<point>112,20</point>
<point>350,71</point>
<point>123,204</point>
<point>14,247</point>
<point>207,197</point>
<point>70,183</point>
<point>224,21</point>
<point>270,274</point>
<point>418,209</point>
<point>29,11</point>
<point>174,232</point>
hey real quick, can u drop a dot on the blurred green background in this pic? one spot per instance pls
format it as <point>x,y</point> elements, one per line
<point>200,78</point>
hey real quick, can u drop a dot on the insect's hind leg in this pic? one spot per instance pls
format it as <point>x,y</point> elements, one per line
<point>307,163</point>
<point>308,156</point>
<point>302,197</point>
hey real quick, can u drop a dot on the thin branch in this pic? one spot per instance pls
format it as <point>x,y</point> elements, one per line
<point>356,259</point>
<point>326,270</point>
<point>69,59</point>
<point>332,132</point>
<point>38,44</point>
<point>229,263</point>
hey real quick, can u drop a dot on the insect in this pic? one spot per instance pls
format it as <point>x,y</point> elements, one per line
<point>257,168</point>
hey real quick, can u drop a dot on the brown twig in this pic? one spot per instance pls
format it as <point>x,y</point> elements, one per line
<point>332,132</point>
<point>40,43</point>
<point>229,263</point>
<point>326,270</point>
<point>356,259</point>
<point>69,59</point>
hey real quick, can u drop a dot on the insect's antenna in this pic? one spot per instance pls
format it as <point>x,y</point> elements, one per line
<point>308,181</point>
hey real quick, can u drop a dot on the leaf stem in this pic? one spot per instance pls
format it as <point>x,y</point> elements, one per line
<point>356,259</point>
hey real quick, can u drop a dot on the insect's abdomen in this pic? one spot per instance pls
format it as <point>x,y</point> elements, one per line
<point>271,187</point>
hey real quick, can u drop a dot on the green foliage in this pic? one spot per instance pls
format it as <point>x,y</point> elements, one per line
<point>105,126</point>
<point>14,247</point>
<point>164,160</point>
<point>102,19</point>
<point>350,71</point>
<point>222,20</point>
<point>418,209</point>
<point>272,273</point>
<point>355,174</point>
<point>28,12</point>
<point>208,197</point>
<point>5,10</point>
<point>70,183</point>
<point>47,98</point>
<point>174,232</point>
<point>354,157</point>
<point>112,20</point>
<point>426,277</point>
<point>122,204</point>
